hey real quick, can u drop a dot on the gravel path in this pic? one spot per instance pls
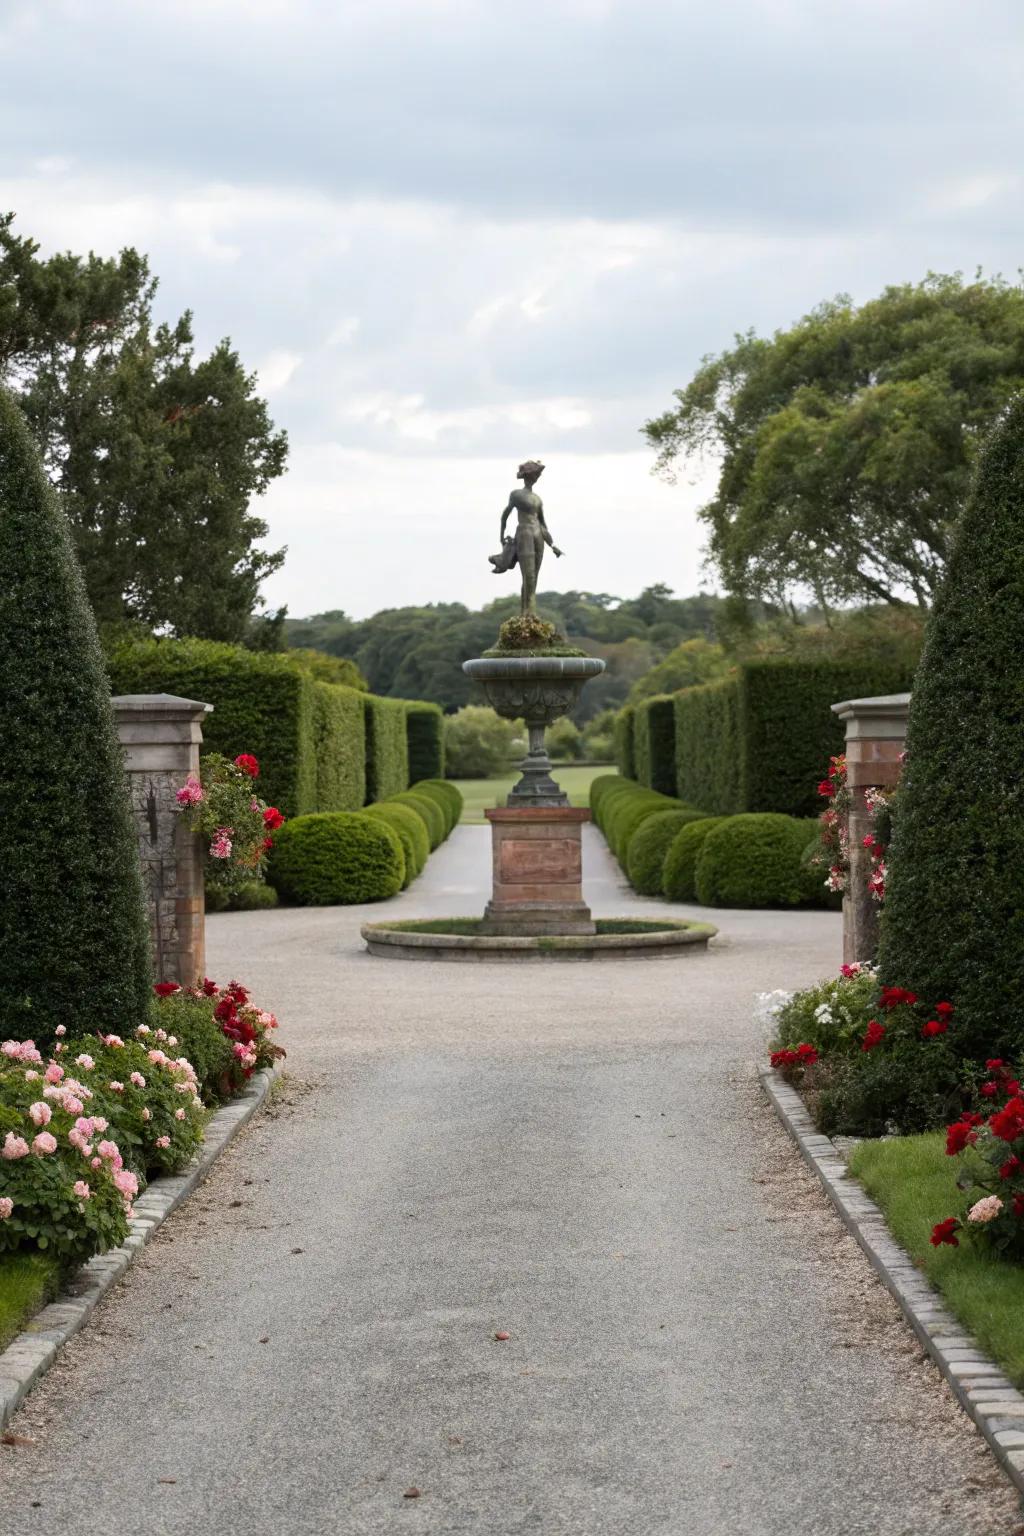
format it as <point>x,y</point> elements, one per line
<point>574,1155</point>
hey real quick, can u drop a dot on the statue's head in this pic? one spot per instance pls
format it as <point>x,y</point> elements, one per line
<point>531,471</point>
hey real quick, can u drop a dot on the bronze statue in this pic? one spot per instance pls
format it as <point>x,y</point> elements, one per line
<point>526,548</point>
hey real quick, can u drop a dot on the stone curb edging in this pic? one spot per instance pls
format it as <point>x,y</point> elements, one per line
<point>977,1382</point>
<point>34,1350</point>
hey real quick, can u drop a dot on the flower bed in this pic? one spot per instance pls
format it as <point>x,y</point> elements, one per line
<point>914,1181</point>
<point>84,1125</point>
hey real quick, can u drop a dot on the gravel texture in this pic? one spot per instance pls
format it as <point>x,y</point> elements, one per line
<point>580,1158</point>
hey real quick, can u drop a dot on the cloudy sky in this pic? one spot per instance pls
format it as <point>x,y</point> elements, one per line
<point>452,234</point>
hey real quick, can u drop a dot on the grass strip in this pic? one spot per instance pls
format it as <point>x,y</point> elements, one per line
<point>914,1183</point>
<point>481,794</point>
<point>27,1282</point>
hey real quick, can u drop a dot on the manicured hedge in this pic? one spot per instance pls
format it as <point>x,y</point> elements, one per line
<point>622,740</point>
<point>387,750</point>
<point>679,871</point>
<point>424,731</point>
<point>621,805</point>
<point>307,735</point>
<point>429,812</point>
<point>339,725</point>
<point>707,747</point>
<point>649,846</point>
<point>74,941</point>
<point>757,742</point>
<point>603,790</point>
<point>447,796</point>
<point>334,858</point>
<point>754,860</point>
<point>953,923</point>
<point>654,743</point>
<point>412,832</point>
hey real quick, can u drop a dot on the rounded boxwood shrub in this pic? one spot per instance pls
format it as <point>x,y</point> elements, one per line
<point>605,786</point>
<point>412,833</point>
<point>336,858</point>
<point>447,794</point>
<point>679,871</point>
<point>73,930</point>
<point>429,812</point>
<point>753,860</point>
<point>953,923</point>
<point>628,814</point>
<point>251,896</point>
<point>649,846</point>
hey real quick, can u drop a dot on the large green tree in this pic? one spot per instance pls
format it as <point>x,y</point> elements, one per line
<point>156,453</point>
<point>846,442</point>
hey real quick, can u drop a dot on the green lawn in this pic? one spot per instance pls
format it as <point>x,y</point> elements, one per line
<point>27,1282</point>
<point>481,794</point>
<point>914,1182</point>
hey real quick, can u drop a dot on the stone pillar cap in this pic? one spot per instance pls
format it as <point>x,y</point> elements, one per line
<point>881,704</point>
<point>158,704</point>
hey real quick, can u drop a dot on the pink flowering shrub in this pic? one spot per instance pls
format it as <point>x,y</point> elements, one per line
<point>64,1184</point>
<point>150,1093</point>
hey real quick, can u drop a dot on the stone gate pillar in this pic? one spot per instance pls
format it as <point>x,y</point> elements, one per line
<point>161,736</point>
<point>876,731</point>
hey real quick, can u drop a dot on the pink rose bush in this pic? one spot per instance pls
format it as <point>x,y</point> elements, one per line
<point>43,1172</point>
<point>83,1128</point>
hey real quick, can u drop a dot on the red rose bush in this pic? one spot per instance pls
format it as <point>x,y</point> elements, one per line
<point>991,1151</point>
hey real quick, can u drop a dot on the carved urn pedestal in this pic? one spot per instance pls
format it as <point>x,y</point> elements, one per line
<point>536,837</point>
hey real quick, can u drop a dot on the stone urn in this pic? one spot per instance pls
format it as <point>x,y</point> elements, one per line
<point>539,690</point>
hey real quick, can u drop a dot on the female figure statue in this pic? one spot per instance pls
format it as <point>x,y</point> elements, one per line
<point>526,549</point>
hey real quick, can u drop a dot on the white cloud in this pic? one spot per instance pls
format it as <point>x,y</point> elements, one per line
<point>277,368</point>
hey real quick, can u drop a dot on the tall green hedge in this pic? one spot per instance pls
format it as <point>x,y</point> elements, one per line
<point>309,737</point>
<point>622,741</point>
<point>762,740</point>
<point>74,938</point>
<point>340,747</point>
<point>953,923</point>
<point>424,732</point>
<point>262,703</point>
<point>707,747</point>
<point>654,743</point>
<point>387,750</point>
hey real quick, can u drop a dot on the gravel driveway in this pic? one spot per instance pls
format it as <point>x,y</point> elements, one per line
<point>574,1155</point>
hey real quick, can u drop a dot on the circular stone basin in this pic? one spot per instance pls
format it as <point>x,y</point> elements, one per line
<point>460,938</point>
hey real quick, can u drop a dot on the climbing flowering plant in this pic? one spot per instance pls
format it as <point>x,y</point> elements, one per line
<point>235,823</point>
<point>833,853</point>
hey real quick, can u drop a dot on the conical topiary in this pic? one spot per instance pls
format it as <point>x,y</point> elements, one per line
<point>953,925</point>
<point>74,944</point>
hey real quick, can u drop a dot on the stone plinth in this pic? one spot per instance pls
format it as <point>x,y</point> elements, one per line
<point>876,731</point>
<point>161,736</point>
<point>537,872</point>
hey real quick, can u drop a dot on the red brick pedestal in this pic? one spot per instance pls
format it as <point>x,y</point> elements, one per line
<point>538,872</point>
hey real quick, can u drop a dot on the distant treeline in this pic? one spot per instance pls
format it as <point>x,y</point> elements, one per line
<point>417,653</point>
